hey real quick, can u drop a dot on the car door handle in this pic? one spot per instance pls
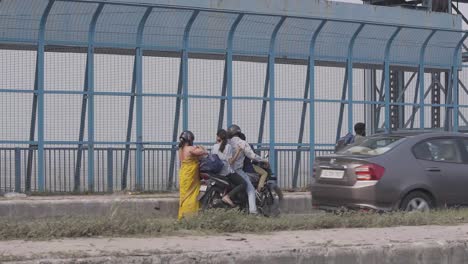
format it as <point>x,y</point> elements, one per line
<point>433,169</point>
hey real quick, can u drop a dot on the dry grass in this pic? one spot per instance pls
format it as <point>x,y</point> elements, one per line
<point>218,221</point>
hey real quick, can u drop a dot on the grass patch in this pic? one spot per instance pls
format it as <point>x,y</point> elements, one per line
<point>217,221</point>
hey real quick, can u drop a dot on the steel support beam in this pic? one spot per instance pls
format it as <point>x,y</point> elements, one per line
<point>421,79</point>
<point>139,100</point>
<point>128,138</point>
<point>455,81</point>
<point>32,132</point>
<point>227,78</point>
<point>370,91</point>
<point>309,89</point>
<point>435,99</point>
<point>349,68</point>
<point>387,79</point>
<point>229,68</point>
<point>342,106</point>
<point>182,92</point>
<point>40,96</point>
<point>264,105</point>
<point>271,74</point>
<point>90,53</point>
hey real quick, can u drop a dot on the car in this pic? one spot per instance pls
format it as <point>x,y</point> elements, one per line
<point>396,171</point>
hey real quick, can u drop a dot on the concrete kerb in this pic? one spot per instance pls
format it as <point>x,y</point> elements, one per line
<point>146,205</point>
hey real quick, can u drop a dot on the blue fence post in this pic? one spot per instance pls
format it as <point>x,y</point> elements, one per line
<point>271,74</point>
<point>349,65</point>
<point>311,67</point>
<point>90,74</point>
<point>421,79</point>
<point>110,170</point>
<point>139,100</point>
<point>17,170</point>
<point>185,116</point>
<point>454,78</point>
<point>387,78</point>
<point>89,60</point>
<point>40,95</point>
<point>229,68</point>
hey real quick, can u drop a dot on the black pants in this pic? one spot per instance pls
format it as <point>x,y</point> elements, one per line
<point>239,185</point>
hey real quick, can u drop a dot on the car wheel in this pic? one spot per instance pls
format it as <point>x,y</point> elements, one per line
<point>417,201</point>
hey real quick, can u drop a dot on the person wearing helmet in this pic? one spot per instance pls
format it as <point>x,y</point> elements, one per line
<point>243,150</point>
<point>189,180</point>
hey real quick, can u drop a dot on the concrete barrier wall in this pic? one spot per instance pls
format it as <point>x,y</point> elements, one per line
<point>165,206</point>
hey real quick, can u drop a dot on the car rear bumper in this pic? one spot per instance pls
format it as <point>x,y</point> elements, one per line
<point>363,195</point>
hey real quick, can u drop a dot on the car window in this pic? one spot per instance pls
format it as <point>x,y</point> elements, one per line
<point>445,150</point>
<point>372,146</point>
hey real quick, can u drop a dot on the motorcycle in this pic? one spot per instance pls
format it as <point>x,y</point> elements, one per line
<point>214,187</point>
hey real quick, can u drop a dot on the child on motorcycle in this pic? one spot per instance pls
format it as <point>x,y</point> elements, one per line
<point>225,154</point>
<point>250,167</point>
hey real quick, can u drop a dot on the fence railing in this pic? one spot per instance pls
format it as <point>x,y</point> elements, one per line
<point>18,169</point>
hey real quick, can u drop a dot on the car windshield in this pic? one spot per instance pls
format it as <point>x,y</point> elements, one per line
<point>372,146</point>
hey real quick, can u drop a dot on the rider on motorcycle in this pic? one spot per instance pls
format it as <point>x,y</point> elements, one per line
<point>225,154</point>
<point>243,150</point>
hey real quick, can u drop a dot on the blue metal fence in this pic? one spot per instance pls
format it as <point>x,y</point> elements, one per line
<point>114,83</point>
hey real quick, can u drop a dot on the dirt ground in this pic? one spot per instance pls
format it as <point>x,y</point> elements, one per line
<point>230,243</point>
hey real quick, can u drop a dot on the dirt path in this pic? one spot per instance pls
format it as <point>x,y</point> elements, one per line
<point>233,245</point>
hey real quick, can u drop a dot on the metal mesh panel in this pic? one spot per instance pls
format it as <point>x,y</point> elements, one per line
<point>333,40</point>
<point>247,115</point>
<point>294,36</point>
<point>371,42</point>
<point>203,117</point>
<point>248,78</point>
<point>17,69</point>
<point>158,118</point>
<point>118,24</point>
<point>113,73</point>
<point>210,30</point>
<point>441,47</point>
<point>253,34</point>
<point>64,71</point>
<point>165,28</point>
<point>69,21</point>
<point>15,116</point>
<point>407,46</point>
<point>62,117</point>
<point>20,19</point>
<point>205,77</point>
<point>160,75</point>
<point>111,118</point>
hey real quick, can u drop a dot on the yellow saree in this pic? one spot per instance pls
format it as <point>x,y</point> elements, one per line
<point>189,182</point>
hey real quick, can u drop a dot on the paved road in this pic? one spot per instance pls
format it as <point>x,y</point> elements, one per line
<point>422,244</point>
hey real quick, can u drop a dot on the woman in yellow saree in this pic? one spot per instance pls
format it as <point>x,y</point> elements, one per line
<point>189,180</point>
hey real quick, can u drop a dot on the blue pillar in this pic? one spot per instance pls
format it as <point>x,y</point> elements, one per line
<point>40,95</point>
<point>271,74</point>
<point>229,68</point>
<point>139,100</point>
<point>185,106</point>
<point>349,68</point>
<point>387,78</point>
<point>454,77</point>
<point>311,67</point>
<point>421,79</point>
<point>182,94</point>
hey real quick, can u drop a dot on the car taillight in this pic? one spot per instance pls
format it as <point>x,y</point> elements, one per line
<point>369,172</point>
<point>314,170</point>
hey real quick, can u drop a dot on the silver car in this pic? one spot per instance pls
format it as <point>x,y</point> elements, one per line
<point>398,171</point>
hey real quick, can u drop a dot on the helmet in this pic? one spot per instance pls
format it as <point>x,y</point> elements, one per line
<point>233,130</point>
<point>187,137</point>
